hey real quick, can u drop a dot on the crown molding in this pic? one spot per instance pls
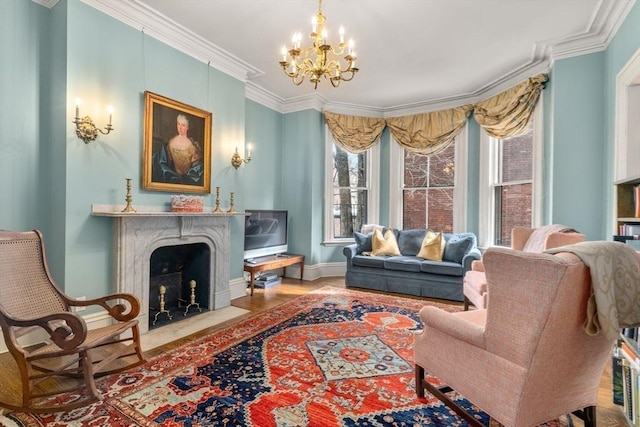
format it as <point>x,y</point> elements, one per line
<point>605,22</point>
<point>46,3</point>
<point>156,25</point>
<point>262,96</point>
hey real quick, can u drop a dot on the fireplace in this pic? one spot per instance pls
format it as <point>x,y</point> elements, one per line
<point>137,235</point>
<point>179,283</point>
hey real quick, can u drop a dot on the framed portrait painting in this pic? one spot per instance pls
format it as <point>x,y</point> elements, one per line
<point>176,155</point>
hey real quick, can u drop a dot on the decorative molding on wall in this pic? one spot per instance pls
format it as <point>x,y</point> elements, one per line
<point>160,27</point>
<point>604,24</point>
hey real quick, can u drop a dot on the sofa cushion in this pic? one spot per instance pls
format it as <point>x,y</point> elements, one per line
<point>384,245</point>
<point>363,242</point>
<point>403,263</point>
<point>369,261</point>
<point>445,268</point>
<point>457,247</point>
<point>432,246</point>
<point>410,241</point>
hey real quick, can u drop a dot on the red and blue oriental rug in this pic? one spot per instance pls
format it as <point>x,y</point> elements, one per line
<point>333,357</point>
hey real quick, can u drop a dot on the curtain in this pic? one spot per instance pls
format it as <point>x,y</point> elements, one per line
<point>508,113</point>
<point>429,133</point>
<point>353,133</point>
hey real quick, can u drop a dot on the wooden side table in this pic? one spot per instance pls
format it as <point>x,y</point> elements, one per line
<point>272,262</point>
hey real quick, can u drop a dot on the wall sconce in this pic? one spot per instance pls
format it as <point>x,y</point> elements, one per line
<point>237,161</point>
<point>85,129</point>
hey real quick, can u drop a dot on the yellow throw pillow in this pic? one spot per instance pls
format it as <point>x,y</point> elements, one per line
<point>432,246</point>
<point>384,245</point>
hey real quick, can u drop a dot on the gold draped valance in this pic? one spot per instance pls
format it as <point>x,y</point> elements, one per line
<point>354,134</point>
<point>508,113</point>
<point>429,133</point>
<point>503,115</point>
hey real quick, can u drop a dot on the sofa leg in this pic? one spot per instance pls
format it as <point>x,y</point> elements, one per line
<point>466,304</point>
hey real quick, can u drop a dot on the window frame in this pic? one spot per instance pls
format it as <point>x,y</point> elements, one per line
<point>488,179</point>
<point>372,186</point>
<point>396,182</point>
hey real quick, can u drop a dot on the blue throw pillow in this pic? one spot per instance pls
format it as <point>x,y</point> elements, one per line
<point>363,242</point>
<point>456,248</point>
<point>410,241</point>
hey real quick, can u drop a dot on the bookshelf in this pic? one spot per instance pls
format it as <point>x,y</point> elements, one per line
<point>626,375</point>
<point>627,223</point>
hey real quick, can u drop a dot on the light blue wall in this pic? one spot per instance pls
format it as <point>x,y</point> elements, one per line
<point>24,59</point>
<point>576,144</point>
<point>49,179</point>
<point>262,189</point>
<point>302,182</point>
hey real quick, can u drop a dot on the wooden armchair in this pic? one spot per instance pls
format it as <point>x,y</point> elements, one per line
<point>31,301</point>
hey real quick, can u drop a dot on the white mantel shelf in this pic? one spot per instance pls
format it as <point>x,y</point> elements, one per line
<point>115,211</point>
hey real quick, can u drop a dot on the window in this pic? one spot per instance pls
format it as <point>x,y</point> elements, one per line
<point>428,191</point>
<point>509,171</point>
<point>352,192</point>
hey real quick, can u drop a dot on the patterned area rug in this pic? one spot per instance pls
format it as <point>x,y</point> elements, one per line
<point>333,357</point>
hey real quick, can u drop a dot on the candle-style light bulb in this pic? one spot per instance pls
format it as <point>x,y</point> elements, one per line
<point>284,53</point>
<point>77,108</point>
<point>110,110</point>
<point>249,147</point>
<point>341,35</point>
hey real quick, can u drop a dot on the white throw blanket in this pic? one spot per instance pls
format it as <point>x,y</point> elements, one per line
<point>615,285</point>
<point>537,239</point>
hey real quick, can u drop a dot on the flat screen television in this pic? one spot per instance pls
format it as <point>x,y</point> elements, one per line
<point>265,233</point>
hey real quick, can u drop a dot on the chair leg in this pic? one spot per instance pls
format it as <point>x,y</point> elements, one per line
<point>588,415</point>
<point>419,379</point>
<point>439,393</point>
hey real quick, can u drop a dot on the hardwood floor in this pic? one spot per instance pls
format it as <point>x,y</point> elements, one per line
<point>609,415</point>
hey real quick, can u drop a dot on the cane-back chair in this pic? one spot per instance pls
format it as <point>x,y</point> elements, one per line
<point>31,302</point>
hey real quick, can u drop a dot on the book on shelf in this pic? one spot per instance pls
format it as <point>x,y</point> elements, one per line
<point>626,374</point>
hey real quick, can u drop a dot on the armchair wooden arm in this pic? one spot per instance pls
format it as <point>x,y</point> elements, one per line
<point>66,330</point>
<point>120,312</point>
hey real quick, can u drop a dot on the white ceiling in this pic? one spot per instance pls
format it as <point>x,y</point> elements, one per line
<point>411,53</point>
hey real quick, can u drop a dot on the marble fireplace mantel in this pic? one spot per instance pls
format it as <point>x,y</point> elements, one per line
<point>137,234</point>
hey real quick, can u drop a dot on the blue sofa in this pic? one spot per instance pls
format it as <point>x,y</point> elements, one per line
<point>408,274</point>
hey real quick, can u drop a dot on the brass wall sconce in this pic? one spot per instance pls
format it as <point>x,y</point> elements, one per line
<point>237,161</point>
<point>85,129</point>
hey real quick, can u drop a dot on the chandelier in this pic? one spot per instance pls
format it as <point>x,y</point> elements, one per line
<point>320,59</point>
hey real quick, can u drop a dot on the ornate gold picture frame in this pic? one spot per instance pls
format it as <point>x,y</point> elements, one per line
<point>176,155</point>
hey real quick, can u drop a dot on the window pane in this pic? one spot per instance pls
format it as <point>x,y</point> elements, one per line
<point>349,212</point>
<point>432,208</point>
<point>441,168</point>
<point>428,190</point>
<point>349,192</point>
<point>513,203</point>
<point>414,206</point>
<point>517,156</point>
<point>416,170</point>
<point>441,210</point>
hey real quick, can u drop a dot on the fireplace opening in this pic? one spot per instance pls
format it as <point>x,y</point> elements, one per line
<point>179,283</point>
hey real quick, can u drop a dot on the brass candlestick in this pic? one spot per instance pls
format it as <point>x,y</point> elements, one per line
<point>128,198</point>
<point>232,209</point>
<point>217,209</point>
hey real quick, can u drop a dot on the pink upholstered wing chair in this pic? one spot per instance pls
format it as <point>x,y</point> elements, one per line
<point>474,286</point>
<point>526,358</point>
